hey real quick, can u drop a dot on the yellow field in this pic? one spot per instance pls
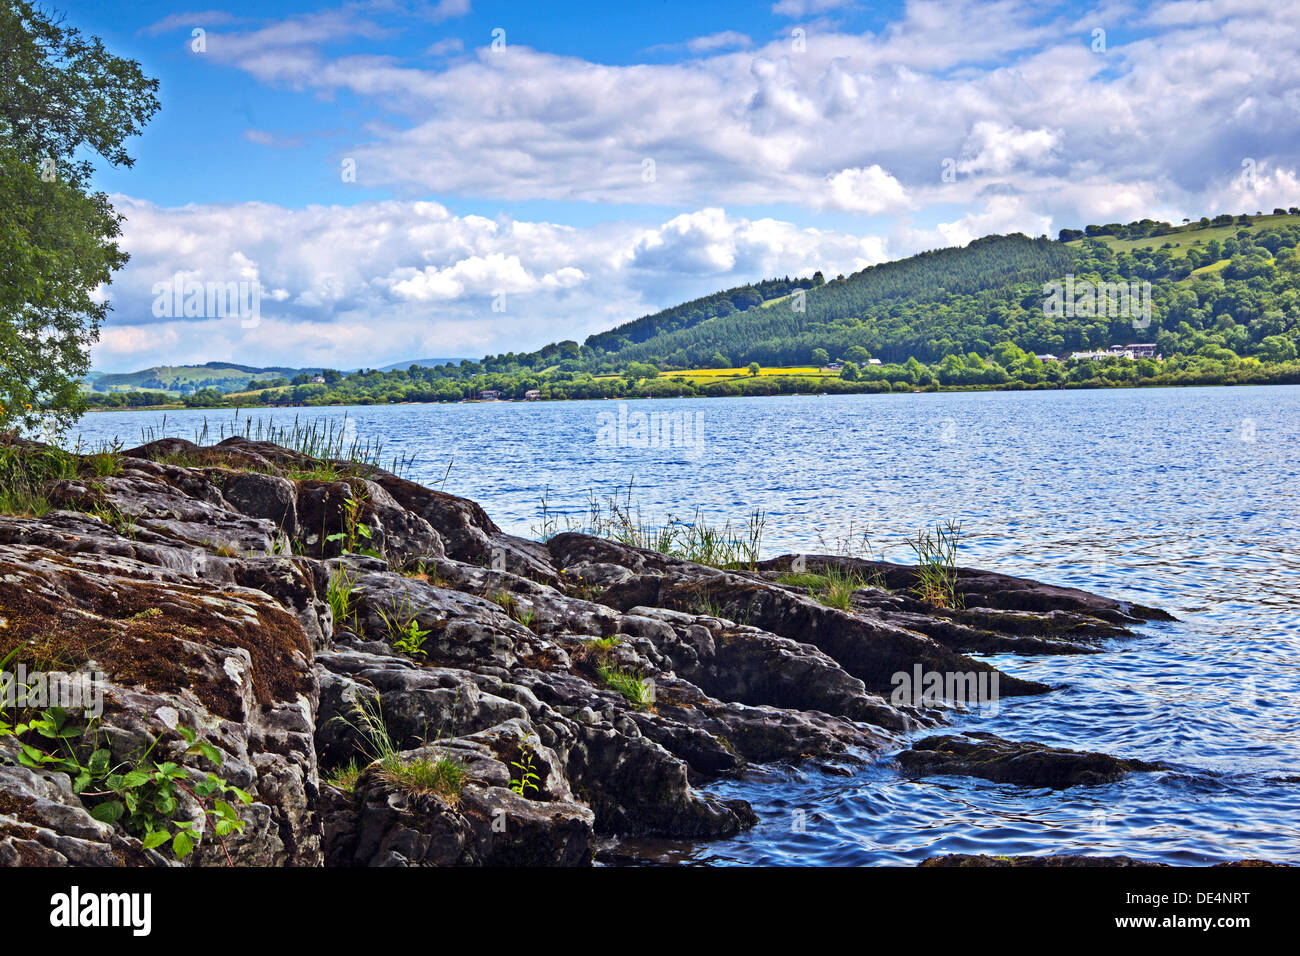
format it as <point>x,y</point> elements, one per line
<point>705,375</point>
<point>257,392</point>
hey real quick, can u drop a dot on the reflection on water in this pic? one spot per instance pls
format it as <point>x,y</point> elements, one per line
<point>1180,498</point>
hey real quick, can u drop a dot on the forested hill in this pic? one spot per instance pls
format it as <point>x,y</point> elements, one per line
<point>889,309</point>
<point>689,314</point>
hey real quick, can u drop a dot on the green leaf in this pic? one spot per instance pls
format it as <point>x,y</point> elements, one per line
<point>39,756</point>
<point>183,844</point>
<point>4,662</point>
<point>155,838</point>
<point>109,812</point>
<point>136,778</point>
<point>187,733</point>
<point>209,751</point>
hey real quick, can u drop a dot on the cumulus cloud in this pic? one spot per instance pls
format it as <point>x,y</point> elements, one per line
<point>998,149</point>
<point>435,282</point>
<point>1003,88</point>
<point>1002,215</point>
<point>871,190</point>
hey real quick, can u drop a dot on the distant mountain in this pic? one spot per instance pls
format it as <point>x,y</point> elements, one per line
<point>422,363</point>
<point>223,377</point>
<point>186,379</point>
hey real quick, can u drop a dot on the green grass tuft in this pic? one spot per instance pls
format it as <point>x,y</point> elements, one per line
<point>632,687</point>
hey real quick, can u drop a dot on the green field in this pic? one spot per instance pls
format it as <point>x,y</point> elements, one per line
<point>1183,237</point>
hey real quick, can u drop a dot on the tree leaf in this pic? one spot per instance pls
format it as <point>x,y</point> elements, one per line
<point>136,778</point>
<point>155,838</point>
<point>109,812</point>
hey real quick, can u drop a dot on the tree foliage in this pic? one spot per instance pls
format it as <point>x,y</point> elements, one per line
<point>62,96</point>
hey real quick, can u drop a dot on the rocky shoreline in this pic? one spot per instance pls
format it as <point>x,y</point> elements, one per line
<point>527,700</point>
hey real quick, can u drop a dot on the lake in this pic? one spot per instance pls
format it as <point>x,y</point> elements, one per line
<point>1180,498</point>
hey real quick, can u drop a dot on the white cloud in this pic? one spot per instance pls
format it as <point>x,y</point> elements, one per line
<point>798,9</point>
<point>1002,215</point>
<point>382,281</point>
<point>447,9</point>
<point>725,40</point>
<point>1008,89</point>
<point>446,47</point>
<point>264,137</point>
<point>871,190</point>
<point>998,149</point>
<point>190,20</point>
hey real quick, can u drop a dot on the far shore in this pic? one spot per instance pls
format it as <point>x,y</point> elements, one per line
<point>1054,387</point>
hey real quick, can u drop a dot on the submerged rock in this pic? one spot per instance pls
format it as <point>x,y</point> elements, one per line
<point>1007,761</point>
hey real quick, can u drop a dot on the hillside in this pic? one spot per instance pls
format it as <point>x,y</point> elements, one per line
<point>697,311</point>
<point>422,363</point>
<point>187,379</point>
<point>1218,284</point>
<point>887,309</point>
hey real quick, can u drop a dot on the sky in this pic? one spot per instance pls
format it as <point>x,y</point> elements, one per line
<point>404,179</point>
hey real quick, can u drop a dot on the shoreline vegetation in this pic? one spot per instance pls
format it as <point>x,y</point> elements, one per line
<point>1277,375</point>
<point>768,384</point>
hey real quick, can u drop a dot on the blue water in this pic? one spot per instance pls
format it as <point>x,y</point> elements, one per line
<point>1180,498</point>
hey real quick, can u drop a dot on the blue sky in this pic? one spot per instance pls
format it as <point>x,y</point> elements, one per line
<point>611,159</point>
<point>210,102</point>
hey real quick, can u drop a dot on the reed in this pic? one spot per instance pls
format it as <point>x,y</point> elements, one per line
<point>619,518</point>
<point>936,565</point>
